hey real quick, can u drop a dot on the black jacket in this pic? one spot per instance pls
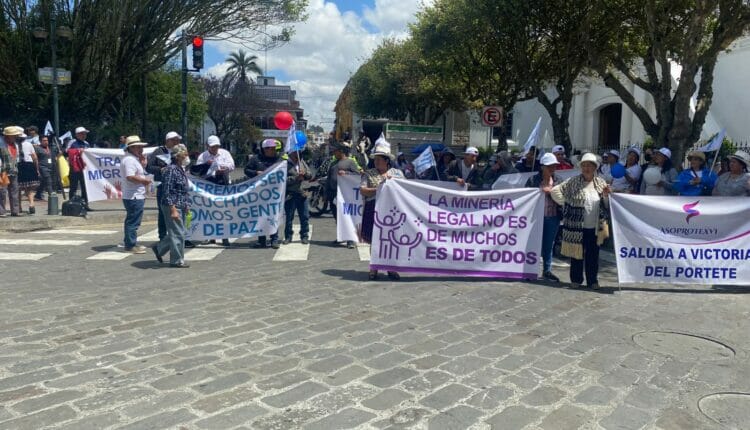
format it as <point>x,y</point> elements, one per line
<point>155,164</point>
<point>293,181</point>
<point>474,180</point>
<point>259,163</point>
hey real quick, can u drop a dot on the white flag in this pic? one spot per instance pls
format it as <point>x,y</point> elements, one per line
<point>381,141</point>
<point>291,140</point>
<point>715,143</point>
<point>533,139</point>
<point>48,130</point>
<point>425,160</point>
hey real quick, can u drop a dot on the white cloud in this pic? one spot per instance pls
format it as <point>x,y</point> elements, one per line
<point>329,47</point>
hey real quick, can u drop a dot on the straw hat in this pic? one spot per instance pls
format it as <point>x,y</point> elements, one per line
<point>591,158</point>
<point>131,141</point>
<point>697,154</point>
<point>742,157</point>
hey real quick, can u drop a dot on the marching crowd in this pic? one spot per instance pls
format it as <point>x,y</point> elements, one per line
<point>578,206</point>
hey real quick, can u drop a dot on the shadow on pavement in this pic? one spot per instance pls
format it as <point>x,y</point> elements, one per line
<point>146,265</point>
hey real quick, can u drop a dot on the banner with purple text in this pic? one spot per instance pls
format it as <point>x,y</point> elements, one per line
<point>681,240</point>
<point>426,229</point>
<point>349,207</point>
<point>102,173</point>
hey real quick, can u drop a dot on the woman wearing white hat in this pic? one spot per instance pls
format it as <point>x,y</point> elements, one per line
<point>545,181</point>
<point>660,176</point>
<point>584,199</point>
<point>628,182</point>
<point>735,182</point>
<point>371,179</point>
<point>698,180</point>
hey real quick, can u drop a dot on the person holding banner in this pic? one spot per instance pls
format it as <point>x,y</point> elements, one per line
<point>341,165</point>
<point>735,182</point>
<point>465,172</point>
<point>698,180</point>
<point>546,180</point>
<point>175,204</point>
<point>584,199</point>
<point>158,160</point>
<point>501,165</point>
<point>659,178</point>
<point>371,179</point>
<point>133,192</point>
<point>256,165</point>
<point>296,199</point>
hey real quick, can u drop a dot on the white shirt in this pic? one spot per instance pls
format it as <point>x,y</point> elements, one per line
<point>622,184</point>
<point>131,166</point>
<point>591,206</point>
<point>465,170</point>
<point>222,160</point>
<point>28,150</point>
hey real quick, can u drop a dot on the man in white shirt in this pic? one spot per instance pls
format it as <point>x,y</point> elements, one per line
<point>134,191</point>
<point>218,162</point>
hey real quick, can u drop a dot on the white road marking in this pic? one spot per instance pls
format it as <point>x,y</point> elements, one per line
<point>202,254</point>
<point>364,252</point>
<point>151,236</point>
<point>42,242</point>
<point>22,256</point>
<point>110,255</point>
<point>294,251</point>
<point>77,232</point>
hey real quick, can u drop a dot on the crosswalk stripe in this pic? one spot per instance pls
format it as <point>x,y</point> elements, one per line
<point>22,256</point>
<point>42,242</point>
<point>202,254</point>
<point>110,255</point>
<point>364,252</point>
<point>151,236</point>
<point>294,251</point>
<point>77,232</point>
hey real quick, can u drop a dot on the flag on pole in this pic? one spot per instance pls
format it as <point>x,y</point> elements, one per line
<point>715,143</point>
<point>381,141</point>
<point>291,140</point>
<point>48,130</point>
<point>424,161</point>
<point>533,139</point>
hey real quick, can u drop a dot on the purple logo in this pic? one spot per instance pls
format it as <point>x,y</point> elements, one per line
<point>689,209</point>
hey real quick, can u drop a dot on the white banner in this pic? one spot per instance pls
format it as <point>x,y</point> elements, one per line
<point>349,208</point>
<point>425,229</point>
<point>681,240</point>
<point>102,173</point>
<point>425,161</point>
<point>246,209</point>
<point>518,180</point>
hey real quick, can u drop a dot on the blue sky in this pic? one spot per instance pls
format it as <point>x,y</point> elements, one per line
<point>326,49</point>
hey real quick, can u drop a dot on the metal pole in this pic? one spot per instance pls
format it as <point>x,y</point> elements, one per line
<point>52,207</point>
<point>184,87</point>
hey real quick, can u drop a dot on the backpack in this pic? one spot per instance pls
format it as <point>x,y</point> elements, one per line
<point>74,207</point>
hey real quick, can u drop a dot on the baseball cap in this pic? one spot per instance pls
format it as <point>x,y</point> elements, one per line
<point>81,130</point>
<point>548,159</point>
<point>173,135</point>
<point>472,151</point>
<point>269,143</point>
<point>635,150</point>
<point>666,152</point>
<point>614,152</point>
<point>558,148</point>
<point>213,141</point>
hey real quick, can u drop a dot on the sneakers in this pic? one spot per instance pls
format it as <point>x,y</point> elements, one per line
<point>286,241</point>
<point>179,265</point>
<point>350,244</point>
<point>305,241</point>
<point>32,211</point>
<point>189,244</point>
<point>549,276</point>
<point>594,286</point>
<point>136,250</point>
<point>275,244</point>
<point>259,245</point>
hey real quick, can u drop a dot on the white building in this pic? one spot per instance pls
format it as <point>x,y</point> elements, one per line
<point>599,119</point>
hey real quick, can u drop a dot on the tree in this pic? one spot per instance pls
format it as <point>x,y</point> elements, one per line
<point>669,49</point>
<point>115,43</point>
<point>240,64</point>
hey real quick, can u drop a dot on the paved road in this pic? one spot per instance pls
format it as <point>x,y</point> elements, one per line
<point>243,341</point>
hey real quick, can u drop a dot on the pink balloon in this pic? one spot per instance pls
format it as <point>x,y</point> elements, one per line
<point>283,120</point>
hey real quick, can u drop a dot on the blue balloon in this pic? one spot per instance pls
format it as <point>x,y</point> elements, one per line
<point>301,138</point>
<point>618,170</point>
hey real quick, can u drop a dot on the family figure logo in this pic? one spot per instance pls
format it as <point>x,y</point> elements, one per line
<point>691,211</point>
<point>390,244</point>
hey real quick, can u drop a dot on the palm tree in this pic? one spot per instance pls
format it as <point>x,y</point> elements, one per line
<point>240,64</point>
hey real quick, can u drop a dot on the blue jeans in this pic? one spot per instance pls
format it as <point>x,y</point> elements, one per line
<point>134,210</point>
<point>174,241</point>
<point>551,225</point>
<point>299,203</point>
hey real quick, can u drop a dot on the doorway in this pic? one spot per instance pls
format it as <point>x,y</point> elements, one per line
<point>610,120</point>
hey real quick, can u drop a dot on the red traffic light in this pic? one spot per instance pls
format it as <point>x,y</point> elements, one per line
<point>197,42</point>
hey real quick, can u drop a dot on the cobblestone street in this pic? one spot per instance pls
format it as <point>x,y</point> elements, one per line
<point>242,341</point>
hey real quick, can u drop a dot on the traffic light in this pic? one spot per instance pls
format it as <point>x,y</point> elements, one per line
<point>197,52</point>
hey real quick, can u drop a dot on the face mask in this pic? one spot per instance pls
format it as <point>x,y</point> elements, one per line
<point>186,162</point>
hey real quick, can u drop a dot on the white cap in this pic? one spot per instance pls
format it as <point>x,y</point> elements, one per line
<point>666,152</point>
<point>213,141</point>
<point>558,148</point>
<point>269,143</point>
<point>173,135</point>
<point>81,130</point>
<point>635,150</point>
<point>614,152</point>
<point>591,158</point>
<point>472,151</point>
<point>548,159</point>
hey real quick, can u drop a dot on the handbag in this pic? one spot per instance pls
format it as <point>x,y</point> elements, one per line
<point>4,179</point>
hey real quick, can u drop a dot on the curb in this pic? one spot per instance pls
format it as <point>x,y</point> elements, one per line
<point>30,223</point>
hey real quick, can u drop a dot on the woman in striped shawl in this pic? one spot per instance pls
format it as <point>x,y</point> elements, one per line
<point>584,199</point>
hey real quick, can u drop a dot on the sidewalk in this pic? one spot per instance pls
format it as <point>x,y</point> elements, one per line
<point>104,212</point>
